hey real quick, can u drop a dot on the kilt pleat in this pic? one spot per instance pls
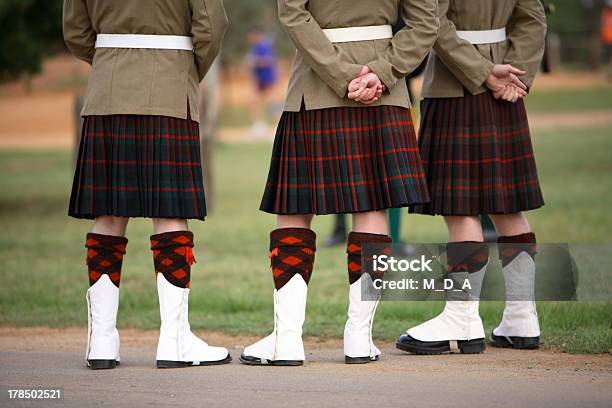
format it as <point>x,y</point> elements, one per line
<point>478,157</point>
<point>138,166</point>
<point>344,160</point>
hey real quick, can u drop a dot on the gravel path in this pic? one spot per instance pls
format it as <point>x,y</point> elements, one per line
<point>41,357</point>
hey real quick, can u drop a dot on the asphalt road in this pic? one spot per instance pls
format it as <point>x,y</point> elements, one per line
<point>497,378</point>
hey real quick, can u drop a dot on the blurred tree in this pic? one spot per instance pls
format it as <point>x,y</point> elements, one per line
<point>29,30</point>
<point>576,22</point>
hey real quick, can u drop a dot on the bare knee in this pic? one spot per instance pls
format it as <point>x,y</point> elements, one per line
<point>464,229</point>
<point>294,221</point>
<point>110,225</point>
<point>162,225</point>
<point>511,224</point>
<point>373,222</point>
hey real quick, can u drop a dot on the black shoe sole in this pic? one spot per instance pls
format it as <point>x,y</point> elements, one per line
<point>475,346</point>
<point>183,364</point>
<point>517,343</point>
<point>359,360</point>
<point>256,361</point>
<point>102,364</point>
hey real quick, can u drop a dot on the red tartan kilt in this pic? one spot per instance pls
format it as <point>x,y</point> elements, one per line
<point>344,160</point>
<point>138,166</point>
<point>478,157</point>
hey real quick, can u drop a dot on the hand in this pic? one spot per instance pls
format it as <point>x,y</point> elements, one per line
<point>511,93</point>
<point>357,86</point>
<point>371,95</point>
<point>502,76</point>
<point>366,88</point>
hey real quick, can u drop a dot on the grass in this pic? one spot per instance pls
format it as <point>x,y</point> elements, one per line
<point>570,100</point>
<point>44,281</point>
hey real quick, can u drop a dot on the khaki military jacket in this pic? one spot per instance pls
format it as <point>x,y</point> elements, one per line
<point>456,64</point>
<point>144,81</point>
<point>322,70</point>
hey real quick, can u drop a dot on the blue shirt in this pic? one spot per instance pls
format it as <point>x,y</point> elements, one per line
<point>264,60</point>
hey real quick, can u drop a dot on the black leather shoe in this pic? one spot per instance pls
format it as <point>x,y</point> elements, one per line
<point>359,360</point>
<point>183,364</point>
<point>250,360</point>
<point>102,364</point>
<point>519,343</point>
<point>414,346</point>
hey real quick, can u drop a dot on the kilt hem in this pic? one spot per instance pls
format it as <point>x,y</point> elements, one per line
<point>89,216</point>
<point>138,166</point>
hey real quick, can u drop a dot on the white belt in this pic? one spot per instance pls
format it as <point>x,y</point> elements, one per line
<point>158,42</point>
<point>483,36</point>
<point>351,34</point>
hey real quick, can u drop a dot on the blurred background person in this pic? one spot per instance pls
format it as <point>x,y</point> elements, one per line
<point>263,64</point>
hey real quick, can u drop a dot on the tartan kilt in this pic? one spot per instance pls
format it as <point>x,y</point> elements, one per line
<point>478,157</point>
<point>138,166</point>
<point>344,160</point>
